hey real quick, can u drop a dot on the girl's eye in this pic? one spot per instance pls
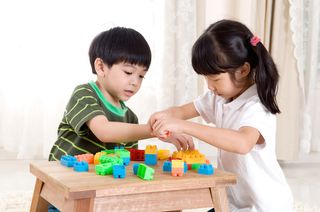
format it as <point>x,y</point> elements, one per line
<point>141,76</point>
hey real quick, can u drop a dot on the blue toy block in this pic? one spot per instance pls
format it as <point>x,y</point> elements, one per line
<point>135,168</point>
<point>167,166</point>
<point>206,169</point>
<point>119,171</point>
<point>185,167</point>
<point>68,160</point>
<point>126,161</point>
<point>81,166</point>
<point>150,159</point>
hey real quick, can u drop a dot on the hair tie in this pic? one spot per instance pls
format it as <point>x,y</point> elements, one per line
<point>254,40</point>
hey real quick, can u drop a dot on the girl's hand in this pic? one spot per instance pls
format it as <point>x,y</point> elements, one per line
<point>180,141</point>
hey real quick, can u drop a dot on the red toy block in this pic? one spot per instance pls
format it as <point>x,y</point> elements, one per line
<point>136,155</point>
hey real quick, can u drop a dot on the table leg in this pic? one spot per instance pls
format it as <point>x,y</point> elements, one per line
<point>38,203</point>
<point>220,199</point>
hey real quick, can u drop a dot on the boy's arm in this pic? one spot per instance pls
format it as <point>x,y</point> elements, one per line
<point>116,132</point>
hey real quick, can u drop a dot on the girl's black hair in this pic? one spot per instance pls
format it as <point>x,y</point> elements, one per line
<point>120,44</point>
<point>225,46</point>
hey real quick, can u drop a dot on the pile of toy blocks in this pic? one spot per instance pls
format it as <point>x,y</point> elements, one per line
<point>113,162</point>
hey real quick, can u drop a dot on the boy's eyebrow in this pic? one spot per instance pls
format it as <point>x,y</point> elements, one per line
<point>134,66</point>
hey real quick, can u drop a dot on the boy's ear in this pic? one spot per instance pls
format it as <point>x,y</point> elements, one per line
<point>243,71</point>
<point>98,65</point>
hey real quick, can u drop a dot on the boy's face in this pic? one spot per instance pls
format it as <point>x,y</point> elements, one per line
<point>122,80</point>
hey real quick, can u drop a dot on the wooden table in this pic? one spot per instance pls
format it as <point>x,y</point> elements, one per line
<point>85,191</point>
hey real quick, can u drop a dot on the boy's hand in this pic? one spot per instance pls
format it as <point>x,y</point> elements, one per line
<point>181,141</point>
<point>159,115</point>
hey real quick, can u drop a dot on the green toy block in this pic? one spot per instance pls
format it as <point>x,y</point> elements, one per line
<point>195,166</point>
<point>145,172</point>
<point>114,160</point>
<point>103,169</point>
<point>122,153</point>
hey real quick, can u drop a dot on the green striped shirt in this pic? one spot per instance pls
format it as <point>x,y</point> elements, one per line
<point>74,136</point>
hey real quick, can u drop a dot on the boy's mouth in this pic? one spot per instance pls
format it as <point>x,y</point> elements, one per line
<point>128,93</point>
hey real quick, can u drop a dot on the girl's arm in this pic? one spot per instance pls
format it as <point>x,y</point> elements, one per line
<point>238,141</point>
<point>184,112</point>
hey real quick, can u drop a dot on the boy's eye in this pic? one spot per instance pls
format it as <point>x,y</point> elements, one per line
<point>128,72</point>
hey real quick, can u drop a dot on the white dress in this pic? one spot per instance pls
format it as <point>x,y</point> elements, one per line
<point>261,185</point>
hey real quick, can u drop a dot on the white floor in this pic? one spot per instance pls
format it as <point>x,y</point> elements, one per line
<point>17,184</point>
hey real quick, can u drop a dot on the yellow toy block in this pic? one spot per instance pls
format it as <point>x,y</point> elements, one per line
<point>151,149</point>
<point>190,156</point>
<point>163,154</point>
<point>177,164</point>
<point>97,156</point>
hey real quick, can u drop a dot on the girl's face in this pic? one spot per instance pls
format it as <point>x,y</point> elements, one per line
<point>121,81</point>
<point>223,85</point>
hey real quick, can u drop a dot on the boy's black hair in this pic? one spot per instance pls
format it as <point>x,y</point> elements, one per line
<point>120,44</point>
<point>225,46</point>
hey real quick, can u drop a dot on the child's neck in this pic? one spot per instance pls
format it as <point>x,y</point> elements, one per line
<point>108,96</point>
<point>242,90</point>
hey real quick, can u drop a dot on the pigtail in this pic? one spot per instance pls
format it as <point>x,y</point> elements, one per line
<point>266,78</point>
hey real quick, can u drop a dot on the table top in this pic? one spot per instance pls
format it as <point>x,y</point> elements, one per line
<point>74,185</point>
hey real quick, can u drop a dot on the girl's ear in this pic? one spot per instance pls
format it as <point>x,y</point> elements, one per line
<point>99,67</point>
<point>243,71</point>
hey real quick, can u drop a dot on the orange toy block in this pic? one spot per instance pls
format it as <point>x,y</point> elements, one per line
<point>85,157</point>
<point>177,172</point>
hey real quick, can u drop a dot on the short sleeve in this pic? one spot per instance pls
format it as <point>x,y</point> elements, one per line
<point>259,118</point>
<point>83,106</point>
<point>205,106</point>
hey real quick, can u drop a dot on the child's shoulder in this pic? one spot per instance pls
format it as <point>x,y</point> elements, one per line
<point>83,90</point>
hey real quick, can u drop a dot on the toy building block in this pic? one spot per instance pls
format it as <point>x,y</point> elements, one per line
<point>68,160</point>
<point>190,156</point>
<point>104,169</point>
<point>166,166</point>
<point>124,155</point>
<point>85,157</point>
<point>97,156</point>
<point>177,167</point>
<point>81,166</point>
<point>195,166</point>
<point>135,168</point>
<point>136,155</point>
<point>150,159</point>
<point>151,149</point>
<point>114,160</point>
<point>119,171</point>
<point>163,154</point>
<point>206,169</point>
<point>185,167</point>
<point>145,172</point>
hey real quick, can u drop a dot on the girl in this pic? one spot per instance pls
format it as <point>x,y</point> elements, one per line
<point>242,79</point>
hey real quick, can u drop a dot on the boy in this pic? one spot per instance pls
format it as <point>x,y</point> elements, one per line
<point>96,117</point>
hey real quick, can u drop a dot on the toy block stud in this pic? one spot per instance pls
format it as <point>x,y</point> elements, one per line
<point>68,160</point>
<point>85,157</point>
<point>81,166</point>
<point>151,149</point>
<point>119,171</point>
